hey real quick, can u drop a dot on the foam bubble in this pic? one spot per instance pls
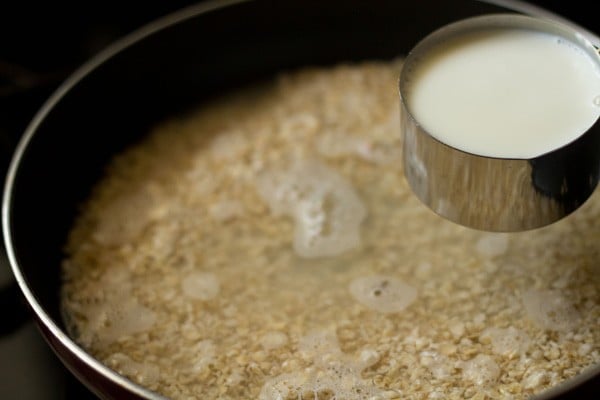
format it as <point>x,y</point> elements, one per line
<point>226,210</point>
<point>200,286</point>
<point>273,340</point>
<point>535,379</point>
<point>438,364</point>
<point>325,207</point>
<point>280,387</point>
<point>143,373</point>
<point>550,309</point>
<point>584,349</point>
<point>125,217</point>
<point>507,342</point>
<point>333,374</point>
<point>368,358</point>
<point>336,144</point>
<point>318,344</point>
<point>204,351</point>
<point>492,244</point>
<point>122,316</point>
<point>457,329</point>
<point>235,378</point>
<point>381,293</point>
<point>229,144</point>
<point>337,381</point>
<point>481,370</point>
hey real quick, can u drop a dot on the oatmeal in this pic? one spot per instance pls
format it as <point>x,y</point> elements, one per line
<point>268,247</point>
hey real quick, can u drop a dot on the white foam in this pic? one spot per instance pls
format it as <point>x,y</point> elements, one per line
<point>368,358</point>
<point>338,381</point>
<point>226,210</point>
<point>481,370</point>
<point>204,351</point>
<point>333,374</point>
<point>326,209</point>
<point>438,364</point>
<point>550,310</point>
<point>103,319</point>
<point>381,293</point>
<point>338,144</point>
<point>535,379</point>
<point>507,342</point>
<point>229,144</point>
<point>584,349</point>
<point>122,316</point>
<point>280,387</point>
<point>200,285</point>
<point>492,244</point>
<point>125,217</point>
<point>319,344</point>
<point>143,373</point>
<point>235,378</point>
<point>457,329</point>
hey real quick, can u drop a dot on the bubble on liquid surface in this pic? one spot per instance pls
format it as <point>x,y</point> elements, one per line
<point>332,375</point>
<point>123,315</point>
<point>481,370</point>
<point>326,209</point>
<point>381,293</point>
<point>550,310</point>
<point>200,285</point>
<point>492,244</point>
<point>318,344</point>
<point>145,374</point>
<point>508,342</point>
<point>596,101</point>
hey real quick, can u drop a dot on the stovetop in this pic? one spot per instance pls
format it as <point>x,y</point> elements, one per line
<point>40,45</point>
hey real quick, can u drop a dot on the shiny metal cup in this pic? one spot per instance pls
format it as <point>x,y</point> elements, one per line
<point>498,194</point>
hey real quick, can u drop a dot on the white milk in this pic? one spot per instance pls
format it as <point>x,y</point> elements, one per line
<point>507,93</point>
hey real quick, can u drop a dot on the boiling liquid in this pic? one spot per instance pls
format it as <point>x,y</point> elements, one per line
<point>507,93</point>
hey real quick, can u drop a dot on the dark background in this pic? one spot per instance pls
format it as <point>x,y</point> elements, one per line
<point>40,45</point>
<point>42,42</point>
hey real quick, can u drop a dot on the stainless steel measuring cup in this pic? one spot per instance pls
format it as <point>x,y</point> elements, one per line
<point>498,194</point>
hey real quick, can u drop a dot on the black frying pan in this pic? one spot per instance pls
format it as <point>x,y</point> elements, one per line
<point>163,69</point>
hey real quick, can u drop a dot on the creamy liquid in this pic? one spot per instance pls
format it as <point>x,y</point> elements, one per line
<point>507,93</point>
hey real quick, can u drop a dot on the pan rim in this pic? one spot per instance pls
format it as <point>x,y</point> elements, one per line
<point>87,68</point>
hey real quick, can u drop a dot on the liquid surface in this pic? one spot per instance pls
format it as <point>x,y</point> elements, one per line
<point>507,93</point>
<point>268,247</point>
